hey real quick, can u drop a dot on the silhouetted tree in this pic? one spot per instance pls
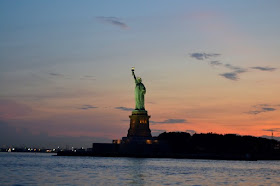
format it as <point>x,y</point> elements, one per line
<point>179,141</point>
<point>182,142</point>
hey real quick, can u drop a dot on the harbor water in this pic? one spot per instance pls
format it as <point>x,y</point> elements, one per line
<point>46,169</point>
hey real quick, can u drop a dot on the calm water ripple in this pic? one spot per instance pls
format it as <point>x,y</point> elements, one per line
<point>45,169</point>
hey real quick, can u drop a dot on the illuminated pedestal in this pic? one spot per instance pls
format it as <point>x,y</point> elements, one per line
<point>139,124</point>
<point>139,130</point>
<point>139,141</point>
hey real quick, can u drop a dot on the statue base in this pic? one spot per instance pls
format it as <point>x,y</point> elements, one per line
<point>139,112</point>
<point>139,125</point>
<point>139,141</point>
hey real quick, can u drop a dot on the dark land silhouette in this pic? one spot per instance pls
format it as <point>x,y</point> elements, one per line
<point>181,142</point>
<point>197,146</point>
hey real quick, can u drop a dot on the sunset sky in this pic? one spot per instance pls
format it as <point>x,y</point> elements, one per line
<point>208,66</point>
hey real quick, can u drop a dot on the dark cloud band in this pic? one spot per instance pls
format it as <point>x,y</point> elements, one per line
<point>113,21</point>
<point>86,107</point>
<point>124,108</point>
<point>262,108</point>
<point>230,75</point>
<point>203,56</point>
<point>264,68</point>
<point>170,121</point>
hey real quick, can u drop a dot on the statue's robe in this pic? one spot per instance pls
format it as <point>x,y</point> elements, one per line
<point>140,91</point>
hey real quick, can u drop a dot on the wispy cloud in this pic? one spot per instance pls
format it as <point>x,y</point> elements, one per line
<point>55,74</point>
<point>272,130</point>
<point>169,121</point>
<point>234,74</point>
<point>264,68</point>
<point>87,107</point>
<point>87,77</point>
<point>124,108</point>
<point>268,109</point>
<point>260,108</point>
<point>216,63</point>
<point>235,70</point>
<point>203,56</point>
<point>113,21</point>
<point>230,75</point>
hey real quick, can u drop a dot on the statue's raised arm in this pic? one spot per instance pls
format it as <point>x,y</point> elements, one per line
<point>140,91</point>
<point>133,74</point>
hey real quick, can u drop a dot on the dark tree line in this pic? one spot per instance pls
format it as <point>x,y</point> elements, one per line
<point>182,142</point>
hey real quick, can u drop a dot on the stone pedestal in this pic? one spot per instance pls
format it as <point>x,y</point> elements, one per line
<point>138,143</point>
<point>139,124</point>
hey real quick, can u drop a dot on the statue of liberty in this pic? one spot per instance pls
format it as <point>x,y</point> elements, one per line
<point>140,91</point>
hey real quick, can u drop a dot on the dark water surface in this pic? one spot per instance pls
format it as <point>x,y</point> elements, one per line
<point>45,169</point>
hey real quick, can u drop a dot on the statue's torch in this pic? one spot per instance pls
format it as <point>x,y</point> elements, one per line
<point>132,69</point>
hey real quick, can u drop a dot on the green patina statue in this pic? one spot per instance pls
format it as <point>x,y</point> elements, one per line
<point>140,91</point>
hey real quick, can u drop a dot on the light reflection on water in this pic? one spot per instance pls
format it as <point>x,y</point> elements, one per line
<point>45,169</point>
